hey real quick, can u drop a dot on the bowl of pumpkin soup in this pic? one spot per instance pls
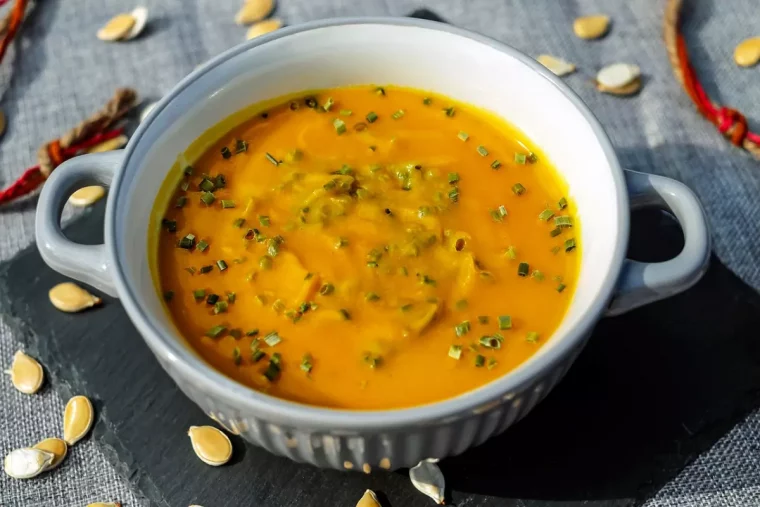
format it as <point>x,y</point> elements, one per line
<point>362,243</point>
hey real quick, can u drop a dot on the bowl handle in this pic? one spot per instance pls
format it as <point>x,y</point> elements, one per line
<point>641,283</point>
<point>85,263</point>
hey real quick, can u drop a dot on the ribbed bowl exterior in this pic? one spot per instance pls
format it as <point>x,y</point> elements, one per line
<point>402,447</point>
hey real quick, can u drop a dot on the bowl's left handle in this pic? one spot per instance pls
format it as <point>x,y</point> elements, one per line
<point>85,263</point>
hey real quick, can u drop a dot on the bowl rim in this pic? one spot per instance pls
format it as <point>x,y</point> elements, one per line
<point>247,401</point>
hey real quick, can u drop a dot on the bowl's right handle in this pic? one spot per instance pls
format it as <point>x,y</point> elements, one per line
<point>641,283</point>
<point>85,263</point>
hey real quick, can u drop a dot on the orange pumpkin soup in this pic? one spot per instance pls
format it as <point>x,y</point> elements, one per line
<point>368,248</point>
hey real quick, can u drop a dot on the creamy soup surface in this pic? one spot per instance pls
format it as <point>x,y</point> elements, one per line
<point>368,248</point>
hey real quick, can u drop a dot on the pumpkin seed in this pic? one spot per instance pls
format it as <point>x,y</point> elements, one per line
<point>747,53</point>
<point>140,15</point>
<point>26,373</point>
<point>117,28</point>
<point>109,145</point>
<point>385,463</point>
<point>270,25</point>
<point>253,11</point>
<point>77,419</point>
<point>618,75</point>
<point>428,479</point>
<point>104,504</point>
<point>26,463</point>
<point>630,89</point>
<point>368,499</point>
<point>87,196</point>
<point>56,447</point>
<point>70,297</point>
<point>211,445</point>
<point>557,65</point>
<point>591,27</point>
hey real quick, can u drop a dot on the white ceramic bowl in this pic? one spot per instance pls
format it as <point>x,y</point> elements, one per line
<point>418,54</point>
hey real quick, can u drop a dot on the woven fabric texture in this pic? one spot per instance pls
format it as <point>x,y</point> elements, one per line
<point>57,72</point>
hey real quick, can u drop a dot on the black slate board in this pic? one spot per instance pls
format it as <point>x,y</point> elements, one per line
<point>652,390</point>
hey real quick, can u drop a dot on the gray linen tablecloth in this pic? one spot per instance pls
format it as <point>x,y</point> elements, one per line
<point>58,72</point>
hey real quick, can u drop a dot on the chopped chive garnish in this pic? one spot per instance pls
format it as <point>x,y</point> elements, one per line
<point>483,319</point>
<point>523,269</point>
<point>499,213</point>
<point>273,247</point>
<point>190,270</point>
<point>226,153</point>
<point>346,112</point>
<point>340,126</point>
<point>236,333</point>
<point>380,90</point>
<point>236,357</point>
<point>206,185</point>
<point>265,262</point>
<point>221,264</point>
<point>220,181</point>
<point>169,225</point>
<point>328,104</point>
<point>453,178</point>
<point>187,242</point>
<point>181,201</point>
<point>216,331</point>
<point>569,244</point>
<point>252,332</point>
<point>272,339</point>
<point>199,294</point>
<point>511,253</point>
<point>272,371</point>
<point>212,299</point>
<point>341,242</point>
<point>563,221</point>
<point>344,313</point>
<point>257,355</point>
<point>407,307</point>
<point>531,337</point>
<point>427,101</point>
<point>373,361</point>
<point>228,203</point>
<point>326,289</point>
<point>310,102</point>
<point>491,342</point>
<point>561,287</point>
<point>371,117</point>
<point>520,158</point>
<point>505,322</point>
<point>220,307</point>
<point>264,220</point>
<point>168,295</point>
<point>495,164</point>
<point>555,250</point>
<point>532,158</point>
<point>241,146</point>
<point>538,275</point>
<point>184,186</point>
<point>546,215</point>
<point>562,203</point>
<point>454,194</point>
<point>398,114</point>
<point>479,361</point>
<point>271,159</point>
<point>518,189</point>
<point>426,280</point>
<point>208,198</point>
<point>462,328</point>
<point>463,135</point>
<point>188,170</point>
<point>449,111</point>
<point>239,222</point>
<point>482,151</point>
<point>306,363</point>
<point>455,351</point>
<point>461,305</point>
<point>371,296</point>
<point>555,232</point>
<point>231,296</point>
<point>492,362</point>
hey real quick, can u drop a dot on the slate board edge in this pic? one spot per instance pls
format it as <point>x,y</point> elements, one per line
<point>117,455</point>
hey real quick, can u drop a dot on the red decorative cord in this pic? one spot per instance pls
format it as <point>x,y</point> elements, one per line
<point>729,122</point>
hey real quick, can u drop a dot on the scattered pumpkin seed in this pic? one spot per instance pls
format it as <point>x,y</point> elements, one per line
<point>747,52</point>
<point>630,89</point>
<point>591,27</point>
<point>27,462</point>
<point>26,373</point>
<point>428,479</point>
<point>617,75</point>
<point>270,25</point>
<point>56,447</point>
<point>87,196</point>
<point>77,419</point>
<point>253,11</point>
<point>211,445</point>
<point>70,297</point>
<point>109,145</point>
<point>117,27</point>
<point>558,66</point>
<point>368,499</point>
